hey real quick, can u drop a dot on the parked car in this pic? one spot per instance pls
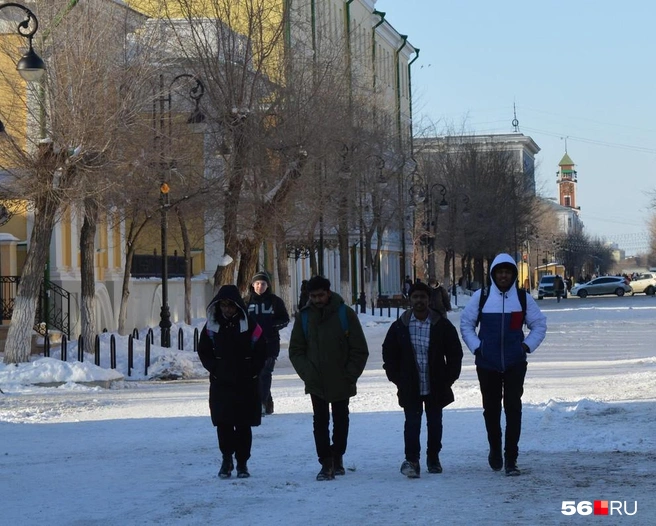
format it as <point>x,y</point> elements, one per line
<point>546,287</point>
<point>602,285</point>
<point>645,282</point>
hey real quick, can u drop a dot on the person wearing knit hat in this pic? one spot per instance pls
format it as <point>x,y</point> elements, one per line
<point>270,312</point>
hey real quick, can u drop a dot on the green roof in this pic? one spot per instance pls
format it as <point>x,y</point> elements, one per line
<point>566,161</point>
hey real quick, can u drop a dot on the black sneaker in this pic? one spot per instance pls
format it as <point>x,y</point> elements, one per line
<point>495,459</point>
<point>433,464</point>
<point>410,469</point>
<point>268,407</point>
<point>511,468</point>
<point>327,470</point>
<point>338,465</point>
<point>242,470</point>
<point>226,467</point>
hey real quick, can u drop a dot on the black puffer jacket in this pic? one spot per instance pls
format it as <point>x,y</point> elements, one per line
<point>270,312</point>
<point>444,360</point>
<point>233,351</point>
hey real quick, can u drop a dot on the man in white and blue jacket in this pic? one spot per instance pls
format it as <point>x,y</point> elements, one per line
<point>500,348</point>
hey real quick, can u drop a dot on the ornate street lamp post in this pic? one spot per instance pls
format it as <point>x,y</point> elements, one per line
<point>30,66</point>
<point>196,91</point>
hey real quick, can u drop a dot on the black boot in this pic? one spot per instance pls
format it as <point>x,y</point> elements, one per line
<point>226,467</point>
<point>495,459</point>
<point>511,468</point>
<point>268,406</point>
<point>242,470</point>
<point>327,470</point>
<point>433,464</point>
<point>338,464</point>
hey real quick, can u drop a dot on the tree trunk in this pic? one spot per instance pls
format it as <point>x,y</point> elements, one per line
<point>19,337</point>
<point>248,256</point>
<point>125,289</point>
<point>283,273</point>
<point>87,267</point>
<point>186,247</point>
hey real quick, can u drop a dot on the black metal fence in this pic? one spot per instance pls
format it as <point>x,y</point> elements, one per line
<point>150,338</point>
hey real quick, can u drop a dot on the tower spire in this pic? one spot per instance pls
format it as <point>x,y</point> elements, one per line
<point>515,122</point>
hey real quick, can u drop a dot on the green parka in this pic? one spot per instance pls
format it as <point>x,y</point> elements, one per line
<point>330,360</point>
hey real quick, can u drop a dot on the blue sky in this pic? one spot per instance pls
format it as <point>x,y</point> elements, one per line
<point>580,69</point>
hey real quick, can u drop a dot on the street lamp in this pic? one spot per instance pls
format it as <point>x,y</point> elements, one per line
<point>30,66</point>
<point>196,91</point>
<point>380,165</point>
<point>465,214</point>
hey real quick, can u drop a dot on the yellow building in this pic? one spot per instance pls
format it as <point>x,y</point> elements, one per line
<point>378,61</point>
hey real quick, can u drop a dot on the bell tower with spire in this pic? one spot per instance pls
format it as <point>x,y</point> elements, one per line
<point>566,179</point>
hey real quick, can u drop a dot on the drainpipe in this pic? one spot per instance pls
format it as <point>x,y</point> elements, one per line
<point>412,147</point>
<point>347,14</point>
<point>375,81</point>
<point>373,47</point>
<point>401,185</point>
<point>397,63</point>
<point>313,15</point>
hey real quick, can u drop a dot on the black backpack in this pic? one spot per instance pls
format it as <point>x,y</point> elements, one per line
<point>521,294</point>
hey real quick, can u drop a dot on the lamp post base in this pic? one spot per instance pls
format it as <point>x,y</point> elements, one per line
<point>165,327</point>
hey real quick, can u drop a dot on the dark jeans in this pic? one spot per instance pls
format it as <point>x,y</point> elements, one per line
<point>509,387</point>
<point>412,429</point>
<point>265,379</point>
<point>235,440</point>
<point>321,421</point>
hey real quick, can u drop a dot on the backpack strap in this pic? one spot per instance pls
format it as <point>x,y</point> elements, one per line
<point>481,302</point>
<point>521,295</point>
<point>343,319</point>
<point>341,312</point>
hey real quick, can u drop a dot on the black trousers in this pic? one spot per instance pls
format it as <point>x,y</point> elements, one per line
<point>266,378</point>
<point>321,422</point>
<point>235,440</point>
<point>412,428</point>
<point>508,387</point>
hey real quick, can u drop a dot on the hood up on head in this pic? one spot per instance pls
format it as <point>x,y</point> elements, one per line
<point>227,292</point>
<point>504,259</point>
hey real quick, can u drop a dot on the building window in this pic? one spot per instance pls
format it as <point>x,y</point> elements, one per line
<point>568,201</point>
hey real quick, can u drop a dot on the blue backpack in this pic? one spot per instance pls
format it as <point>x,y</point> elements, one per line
<point>341,312</point>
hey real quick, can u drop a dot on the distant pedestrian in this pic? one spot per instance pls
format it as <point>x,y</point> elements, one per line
<point>440,300</point>
<point>329,352</point>
<point>407,283</point>
<point>232,350</point>
<point>559,287</point>
<point>422,356</point>
<point>271,314</point>
<point>500,348</point>
<point>304,296</point>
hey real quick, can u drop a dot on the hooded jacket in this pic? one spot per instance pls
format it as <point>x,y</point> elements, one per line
<point>498,343</point>
<point>270,312</point>
<point>233,351</point>
<point>444,360</point>
<point>329,360</point>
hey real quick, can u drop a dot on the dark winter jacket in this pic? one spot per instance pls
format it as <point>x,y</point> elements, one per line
<point>271,314</point>
<point>439,300</point>
<point>444,360</point>
<point>498,344</point>
<point>233,351</point>
<point>329,360</point>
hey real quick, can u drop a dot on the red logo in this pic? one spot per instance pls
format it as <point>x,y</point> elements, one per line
<point>601,507</point>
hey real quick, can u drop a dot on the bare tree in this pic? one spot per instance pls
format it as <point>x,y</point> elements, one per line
<point>51,170</point>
